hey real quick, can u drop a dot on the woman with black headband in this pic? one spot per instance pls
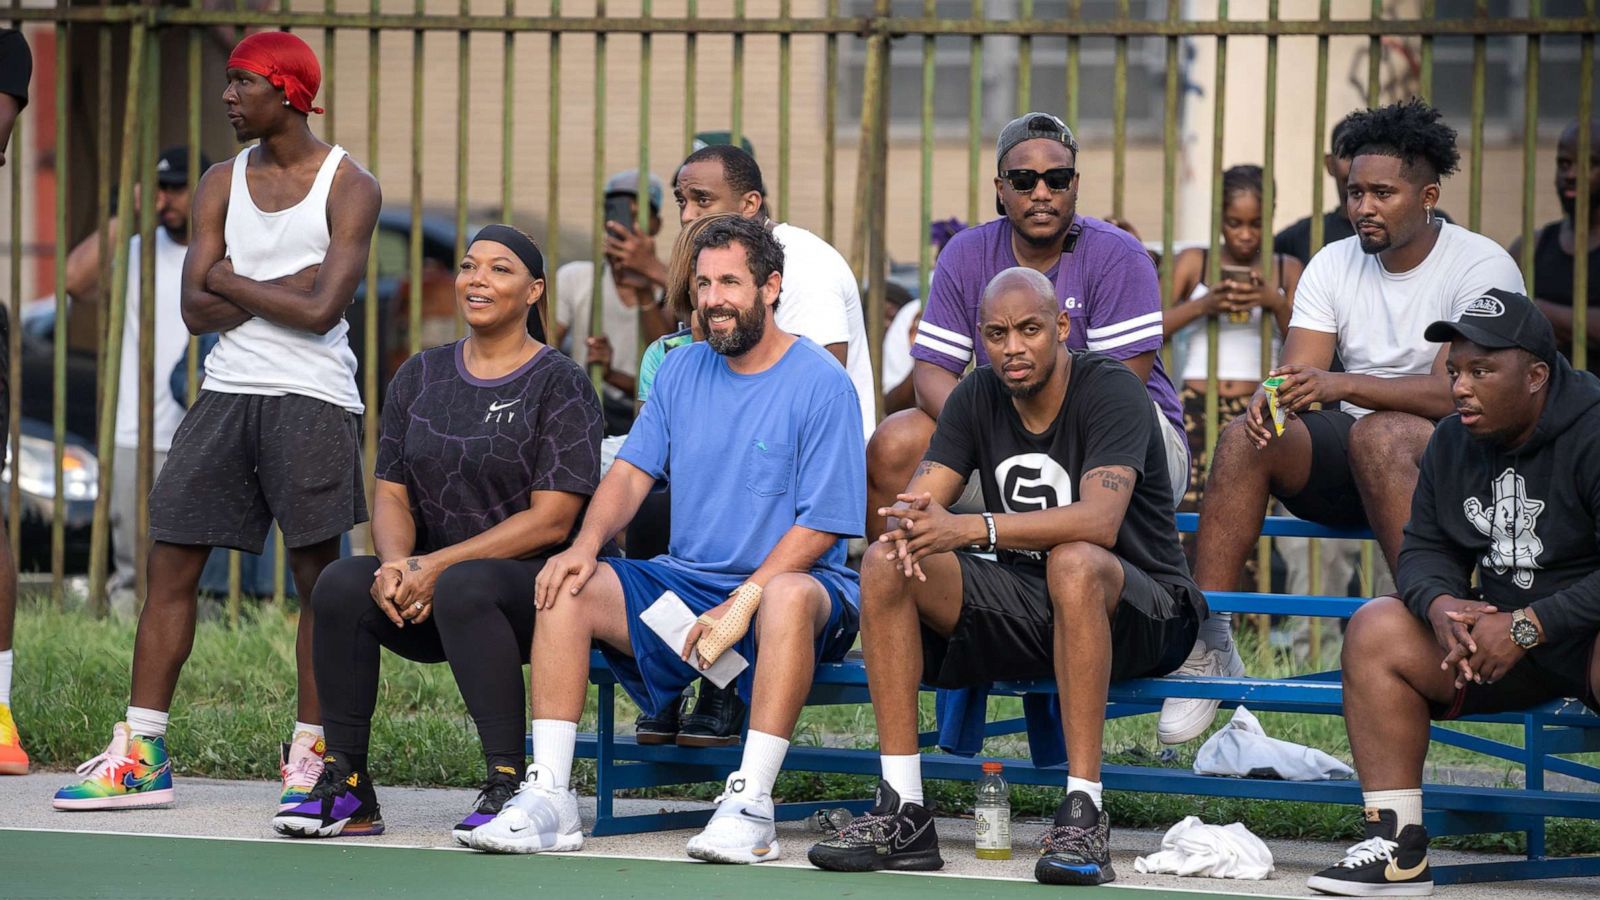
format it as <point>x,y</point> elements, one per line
<point>490,449</point>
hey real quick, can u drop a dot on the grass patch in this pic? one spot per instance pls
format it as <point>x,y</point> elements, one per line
<point>235,702</point>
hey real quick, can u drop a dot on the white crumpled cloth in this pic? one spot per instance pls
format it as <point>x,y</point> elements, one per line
<point>1242,748</point>
<point>1192,847</point>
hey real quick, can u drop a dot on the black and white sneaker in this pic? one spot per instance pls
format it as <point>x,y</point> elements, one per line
<point>1077,848</point>
<point>888,836</point>
<point>1386,864</point>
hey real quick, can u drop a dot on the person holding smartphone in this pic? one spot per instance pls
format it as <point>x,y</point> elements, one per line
<point>1239,302</point>
<point>630,285</point>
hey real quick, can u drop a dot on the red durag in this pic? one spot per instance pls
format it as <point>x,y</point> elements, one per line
<point>286,62</point>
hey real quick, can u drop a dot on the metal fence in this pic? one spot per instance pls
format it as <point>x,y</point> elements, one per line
<point>848,49</point>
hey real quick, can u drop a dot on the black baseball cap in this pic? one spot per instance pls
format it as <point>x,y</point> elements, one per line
<point>172,168</point>
<point>1499,320</point>
<point>1033,126</point>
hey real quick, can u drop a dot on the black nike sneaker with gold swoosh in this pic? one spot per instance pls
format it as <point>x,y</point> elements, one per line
<point>1385,864</point>
<point>891,835</point>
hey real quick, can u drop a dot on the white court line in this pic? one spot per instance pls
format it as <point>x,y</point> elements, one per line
<point>358,842</point>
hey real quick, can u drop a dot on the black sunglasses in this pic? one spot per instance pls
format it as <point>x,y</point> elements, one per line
<point>1024,180</point>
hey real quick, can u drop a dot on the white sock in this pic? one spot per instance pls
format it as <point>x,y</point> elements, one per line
<point>904,774</point>
<point>5,677</point>
<point>1093,788</point>
<point>1216,632</point>
<point>148,722</point>
<point>763,759</point>
<point>304,726</point>
<point>1407,805</point>
<point>554,741</point>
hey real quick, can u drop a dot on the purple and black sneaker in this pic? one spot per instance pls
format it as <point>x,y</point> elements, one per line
<point>502,783</point>
<point>342,803</point>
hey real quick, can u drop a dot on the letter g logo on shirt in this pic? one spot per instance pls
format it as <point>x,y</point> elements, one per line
<point>1030,482</point>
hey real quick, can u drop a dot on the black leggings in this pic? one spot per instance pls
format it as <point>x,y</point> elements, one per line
<point>482,624</point>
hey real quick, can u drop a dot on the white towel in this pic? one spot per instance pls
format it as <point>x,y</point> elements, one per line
<point>1192,847</point>
<point>1241,748</point>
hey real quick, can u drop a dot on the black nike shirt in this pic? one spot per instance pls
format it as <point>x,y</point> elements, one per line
<point>1106,419</point>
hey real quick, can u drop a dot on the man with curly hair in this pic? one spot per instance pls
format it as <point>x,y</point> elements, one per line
<point>1353,461</point>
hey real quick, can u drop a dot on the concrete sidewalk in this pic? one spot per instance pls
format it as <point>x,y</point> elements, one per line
<point>423,818</point>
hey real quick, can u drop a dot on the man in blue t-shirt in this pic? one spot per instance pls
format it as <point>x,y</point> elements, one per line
<point>760,434</point>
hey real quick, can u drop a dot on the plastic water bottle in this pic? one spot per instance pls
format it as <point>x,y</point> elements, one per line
<point>993,814</point>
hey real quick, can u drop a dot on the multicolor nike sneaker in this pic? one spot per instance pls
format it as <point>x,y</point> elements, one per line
<point>300,764</point>
<point>342,802</point>
<point>134,771</point>
<point>1077,848</point>
<point>502,783</point>
<point>13,759</point>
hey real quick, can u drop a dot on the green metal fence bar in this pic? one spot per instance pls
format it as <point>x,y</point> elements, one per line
<point>854,25</point>
<point>508,130</point>
<point>1480,52</point>
<point>14,375</point>
<point>877,213</point>
<point>830,127</point>
<point>974,120</point>
<point>1213,275</point>
<point>1169,175</point>
<point>414,293</point>
<point>330,64</point>
<point>1119,114</point>
<point>597,213</point>
<point>1581,211</point>
<point>641,186</point>
<point>1425,59</point>
<point>925,217</point>
<point>737,127</point>
<point>1074,53</point>
<point>1375,57</point>
<point>102,198</point>
<point>150,115</point>
<point>192,357</point>
<point>464,150</point>
<point>1530,146</point>
<point>1269,265</point>
<point>371,318</point>
<point>785,101</point>
<point>1320,129</point>
<point>553,180</point>
<point>278,551</point>
<point>58,405</point>
<point>690,81</point>
<point>116,310</point>
<point>1024,62</point>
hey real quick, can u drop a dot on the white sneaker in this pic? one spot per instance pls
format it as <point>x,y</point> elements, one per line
<point>1183,719</point>
<point>741,830</point>
<point>537,819</point>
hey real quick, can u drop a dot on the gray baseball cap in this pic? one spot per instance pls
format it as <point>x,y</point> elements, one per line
<point>1033,126</point>
<point>628,183</point>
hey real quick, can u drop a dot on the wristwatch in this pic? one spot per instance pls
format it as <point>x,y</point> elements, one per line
<point>1524,633</point>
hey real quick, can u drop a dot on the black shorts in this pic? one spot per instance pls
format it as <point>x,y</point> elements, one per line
<point>240,461</point>
<point>1005,630</point>
<point>1547,672</point>
<point>1330,496</point>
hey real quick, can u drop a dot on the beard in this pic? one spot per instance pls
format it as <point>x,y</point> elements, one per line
<point>1374,245</point>
<point>748,327</point>
<point>1028,389</point>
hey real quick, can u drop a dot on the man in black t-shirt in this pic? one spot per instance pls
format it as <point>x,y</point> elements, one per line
<point>16,67</point>
<point>1090,585</point>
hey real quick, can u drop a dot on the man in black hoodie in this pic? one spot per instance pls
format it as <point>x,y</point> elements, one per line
<point>1508,488</point>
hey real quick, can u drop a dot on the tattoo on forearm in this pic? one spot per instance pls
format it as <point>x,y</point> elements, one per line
<point>411,564</point>
<point>925,467</point>
<point>1112,479</point>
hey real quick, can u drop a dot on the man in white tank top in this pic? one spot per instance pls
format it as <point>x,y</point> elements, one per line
<point>281,235</point>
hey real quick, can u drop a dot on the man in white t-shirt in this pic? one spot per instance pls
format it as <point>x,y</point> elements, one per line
<point>173,196</point>
<point>630,287</point>
<point>1353,463</point>
<point>821,298</point>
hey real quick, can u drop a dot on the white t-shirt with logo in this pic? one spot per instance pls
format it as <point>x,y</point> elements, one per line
<point>171,343</point>
<point>821,300</point>
<point>1379,316</point>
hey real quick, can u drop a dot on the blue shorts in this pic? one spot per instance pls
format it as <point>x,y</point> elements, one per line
<point>656,675</point>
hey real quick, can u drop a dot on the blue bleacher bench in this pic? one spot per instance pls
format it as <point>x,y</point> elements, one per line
<point>1560,727</point>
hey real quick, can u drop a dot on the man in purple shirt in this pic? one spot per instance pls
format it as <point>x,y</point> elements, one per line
<point>1103,278</point>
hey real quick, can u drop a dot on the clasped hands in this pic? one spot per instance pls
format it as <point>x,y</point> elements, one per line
<point>403,588</point>
<point>1476,638</point>
<point>921,528</point>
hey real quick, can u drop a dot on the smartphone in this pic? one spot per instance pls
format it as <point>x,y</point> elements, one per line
<point>1238,275</point>
<point>619,209</point>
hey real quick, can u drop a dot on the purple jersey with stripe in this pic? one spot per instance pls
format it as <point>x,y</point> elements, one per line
<point>1107,285</point>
